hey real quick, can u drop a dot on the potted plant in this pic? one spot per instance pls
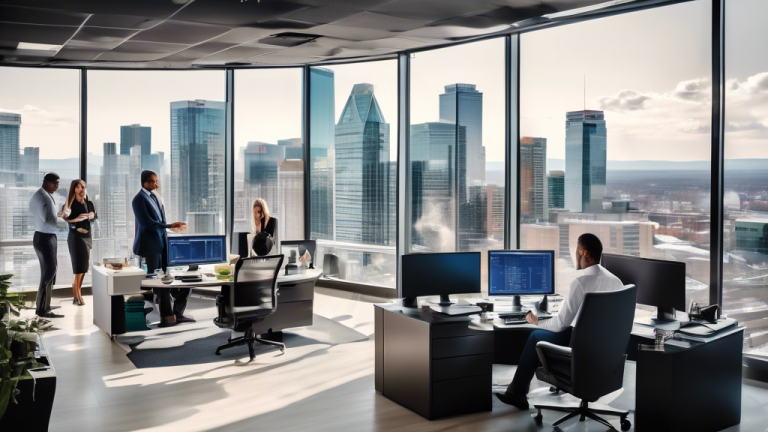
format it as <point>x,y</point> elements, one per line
<point>27,382</point>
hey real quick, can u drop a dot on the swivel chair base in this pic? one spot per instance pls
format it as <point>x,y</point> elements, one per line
<point>250,339</point>
<point>583,411</point>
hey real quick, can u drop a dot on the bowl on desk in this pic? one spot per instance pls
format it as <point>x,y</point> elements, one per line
<point>224,272</point>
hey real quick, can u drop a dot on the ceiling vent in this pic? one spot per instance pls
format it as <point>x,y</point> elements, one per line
<point>288,39</point>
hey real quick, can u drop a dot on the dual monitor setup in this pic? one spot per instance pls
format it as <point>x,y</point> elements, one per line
<point>517,273</point>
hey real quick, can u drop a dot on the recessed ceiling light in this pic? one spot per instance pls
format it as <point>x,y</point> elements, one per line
<point>39,47</point>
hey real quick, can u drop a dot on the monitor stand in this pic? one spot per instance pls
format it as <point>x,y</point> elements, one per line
<point>664,316</point>
<point>517,304</point>
<point>445,300</point>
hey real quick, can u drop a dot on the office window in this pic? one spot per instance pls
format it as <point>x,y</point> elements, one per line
<point>269,149</point>
<point>457,149</point>
<point>615,138</point>
<point>39,133</point>
<point>745,263</point>
<point>353,177</point>
<point>170,122</point>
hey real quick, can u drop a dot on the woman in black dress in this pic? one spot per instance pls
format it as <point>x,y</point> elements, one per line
<point>263,226</point>
<point>78,211</point>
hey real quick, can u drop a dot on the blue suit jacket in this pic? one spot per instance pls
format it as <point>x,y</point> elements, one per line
<point>151,237</point>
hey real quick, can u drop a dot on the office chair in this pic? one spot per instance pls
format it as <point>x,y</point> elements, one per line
<point>593,365</point>
<point>251,299</point>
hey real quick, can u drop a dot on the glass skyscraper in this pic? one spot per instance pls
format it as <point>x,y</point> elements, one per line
<point>556,189</point>
<point>463,104</point>
<point>362,171</point>
<point>135,135</point>
<point>322,136</point>
<point>533,189</point>
<point>585,159</point>
<point>10,124</point>
<point>197,162</point>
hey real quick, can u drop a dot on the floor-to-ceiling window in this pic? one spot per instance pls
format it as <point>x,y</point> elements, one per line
<point>617,110</point>
<point>457,149</point>
<point>353,170</point>
<point>269,150</point>
<point>39,133</point>
<point>170,122</point>
<point>745,261</point>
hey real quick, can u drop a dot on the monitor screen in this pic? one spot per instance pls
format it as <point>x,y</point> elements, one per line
<point>659,283</point>
<point>440,274</point>
<point>202,249</point>
<point>521,272</point>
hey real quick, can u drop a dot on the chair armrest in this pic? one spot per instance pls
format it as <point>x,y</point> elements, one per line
<point>549,351</point>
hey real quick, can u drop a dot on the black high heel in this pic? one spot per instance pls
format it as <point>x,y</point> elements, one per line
<point>75,301</point>
<point>80,302</point>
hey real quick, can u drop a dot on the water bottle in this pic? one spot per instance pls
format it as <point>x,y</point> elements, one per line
<point>143,264</point>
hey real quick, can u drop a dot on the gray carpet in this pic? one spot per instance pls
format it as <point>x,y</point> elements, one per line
<point>196,344</point>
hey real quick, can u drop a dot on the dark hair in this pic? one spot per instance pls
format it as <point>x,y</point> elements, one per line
<point>146,175</point>
<point>51,177</point>
<point>593,245</point>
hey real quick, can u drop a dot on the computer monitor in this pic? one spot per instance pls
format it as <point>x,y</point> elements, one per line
<point>521,272</point>
<point>659,283</point>
<point>196,249</point>
<point>425,274</point>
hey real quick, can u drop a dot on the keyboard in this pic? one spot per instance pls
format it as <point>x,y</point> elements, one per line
<point>514,320</point>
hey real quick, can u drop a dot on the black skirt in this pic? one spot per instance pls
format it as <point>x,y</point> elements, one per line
<point>79,251</point>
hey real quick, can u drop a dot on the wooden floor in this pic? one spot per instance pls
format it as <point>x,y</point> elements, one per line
<point>309,388</point>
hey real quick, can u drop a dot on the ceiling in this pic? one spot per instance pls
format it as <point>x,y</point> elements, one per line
<point>185,34</point>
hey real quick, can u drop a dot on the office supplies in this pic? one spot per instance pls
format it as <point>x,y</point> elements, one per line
<point>439,274</point>
<point>659,283</point>
<point>304,246</point>
<point>521,272</point>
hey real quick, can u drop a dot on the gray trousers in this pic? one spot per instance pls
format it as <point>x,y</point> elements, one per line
<point>45,247</point>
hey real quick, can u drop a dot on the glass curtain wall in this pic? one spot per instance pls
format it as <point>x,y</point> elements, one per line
<point>170,122</point>
<point>745,237</point>
<point>457,149</point>
<point>269,149</point>
<point>615,138</point>
<point>353,163</point>
<point>39,133</point>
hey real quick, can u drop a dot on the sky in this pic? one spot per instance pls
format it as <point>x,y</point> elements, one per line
<point>649,71</point>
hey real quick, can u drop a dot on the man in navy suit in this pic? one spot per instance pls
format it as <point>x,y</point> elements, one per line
<point>151,242</point>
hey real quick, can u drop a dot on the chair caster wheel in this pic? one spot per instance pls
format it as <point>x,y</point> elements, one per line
<point>218,353</point>
<point>625,424</point>
<point>537,417</point>
<point>554,390</point>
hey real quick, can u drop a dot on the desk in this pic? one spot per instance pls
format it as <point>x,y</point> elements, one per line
<point>437,365</point>
<point>295,304</point>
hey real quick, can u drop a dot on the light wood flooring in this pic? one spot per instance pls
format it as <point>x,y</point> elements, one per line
<point>309,388</point>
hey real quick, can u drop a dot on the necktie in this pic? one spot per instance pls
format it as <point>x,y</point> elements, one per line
<point>157,203</point>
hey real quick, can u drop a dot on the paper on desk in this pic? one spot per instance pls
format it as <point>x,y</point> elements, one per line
<point>644,331</point>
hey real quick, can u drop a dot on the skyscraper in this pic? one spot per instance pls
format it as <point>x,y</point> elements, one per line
<point>116,220</point>
<point>462,104</point>
<point>260,163</point>
<point>362,171</point>
<point>556,189</point>
<point>197,157</point>
<point>290,174</point>
<point>29,162</point>
<point>585,159</point>
<point>533,189</point>
<point>135,135</point>
<point>322,136</point>
<point>10,125</point>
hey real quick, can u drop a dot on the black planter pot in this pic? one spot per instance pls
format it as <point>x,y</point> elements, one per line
<point>32,413</point>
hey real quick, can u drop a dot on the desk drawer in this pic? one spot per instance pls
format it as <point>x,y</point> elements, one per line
<point>461,396</point>
<point>462,367</point>
<point>290,292</point>
<point>462,346</point>
<point>454,330</point>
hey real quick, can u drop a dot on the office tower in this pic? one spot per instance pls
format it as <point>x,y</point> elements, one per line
<point>556,189</point>
<point>362,171</point>
<point>294,148</point>
<point>533,187</point>
<point>135,135</point>
<point>260,162</point>
<point>197,158</point>
<point>540,237</point>
<point>154,162</point>
<point>116,192</point>
<point>29,162</point>
<point>585,159</point>
<point>752,235</point>
<point>290,174</point>
<point>322,136</point>
<point>436,176</point>
<point>621,237</point>
<point>495,212</point>
<point>10,125</point>
<point>462,104</point>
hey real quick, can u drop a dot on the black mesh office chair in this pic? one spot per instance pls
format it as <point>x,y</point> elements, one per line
<point>593,365</point>
<point>251,299</point>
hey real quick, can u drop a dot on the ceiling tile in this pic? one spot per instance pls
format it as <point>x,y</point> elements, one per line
<point>351,33</point>
<point>147,8</point>
<point>236,53</point>
<point>180,32</point>
<point>32,33</point>
<point>99,38</point>
<point>77,54</point>
<point>433,9</point>
<point>236,13</point>
<point>41,16</point>
<point>368,20</point>
<point>321,15</point>
<point>122,21</point>
<point>198,51</point>
<point>141,51</point>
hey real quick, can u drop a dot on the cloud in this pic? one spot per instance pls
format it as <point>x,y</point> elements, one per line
<point>625,100</point>
<point>756,83</point>
<point>748,126</point>
<point>31,108</point>
<point>693,90</point>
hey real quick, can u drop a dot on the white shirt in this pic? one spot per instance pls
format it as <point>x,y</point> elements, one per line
<point>594,279</point>
<point>42,207</point>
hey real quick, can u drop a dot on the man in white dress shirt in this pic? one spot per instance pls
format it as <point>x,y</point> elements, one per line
<point>557,330</point>
<point>43,209</point>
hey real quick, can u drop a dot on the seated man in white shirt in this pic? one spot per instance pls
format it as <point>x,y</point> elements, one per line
<point>557,330</point>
